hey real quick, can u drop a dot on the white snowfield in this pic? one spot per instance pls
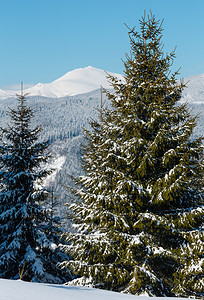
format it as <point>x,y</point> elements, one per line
<point>20,290</point>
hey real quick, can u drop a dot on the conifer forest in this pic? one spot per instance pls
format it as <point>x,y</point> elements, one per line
<point>131,219</point>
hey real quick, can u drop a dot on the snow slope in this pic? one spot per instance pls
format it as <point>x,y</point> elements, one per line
<point>76,82</point>
<point>18,290</point>
<point>6,94</point>
<point>194,91</point>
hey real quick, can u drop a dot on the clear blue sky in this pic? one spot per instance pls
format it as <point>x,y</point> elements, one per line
<point>42,40</point>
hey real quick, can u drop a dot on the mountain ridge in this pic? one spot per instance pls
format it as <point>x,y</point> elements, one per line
<point>75,82</point>
<point>84,80</point>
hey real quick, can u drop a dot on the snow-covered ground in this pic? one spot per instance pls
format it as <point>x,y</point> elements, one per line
<point>20,290</point>
<point>55,165</point>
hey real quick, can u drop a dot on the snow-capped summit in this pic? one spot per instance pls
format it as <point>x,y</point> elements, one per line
<point>78,81</point>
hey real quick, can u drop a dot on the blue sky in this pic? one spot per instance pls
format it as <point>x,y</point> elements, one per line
<point>42,40</point>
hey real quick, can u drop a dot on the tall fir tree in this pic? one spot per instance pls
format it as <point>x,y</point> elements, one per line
<point>26,247</point>
<point>140,203</point>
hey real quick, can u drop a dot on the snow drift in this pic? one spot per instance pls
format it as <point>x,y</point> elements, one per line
<point>18,290</point>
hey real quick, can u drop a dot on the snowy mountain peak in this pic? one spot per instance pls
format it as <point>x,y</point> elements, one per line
<point>78,81</point>
<point>81,72</point>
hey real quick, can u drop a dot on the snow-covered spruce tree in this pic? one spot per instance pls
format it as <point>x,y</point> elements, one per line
<point>25,245</point>
<point>140,203</point>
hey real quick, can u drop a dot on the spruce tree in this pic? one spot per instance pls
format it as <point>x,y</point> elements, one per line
<point>25,245</point>
<point>140,202</point>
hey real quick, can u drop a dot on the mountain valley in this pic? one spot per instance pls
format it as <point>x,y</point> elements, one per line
<point>63,118</point>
